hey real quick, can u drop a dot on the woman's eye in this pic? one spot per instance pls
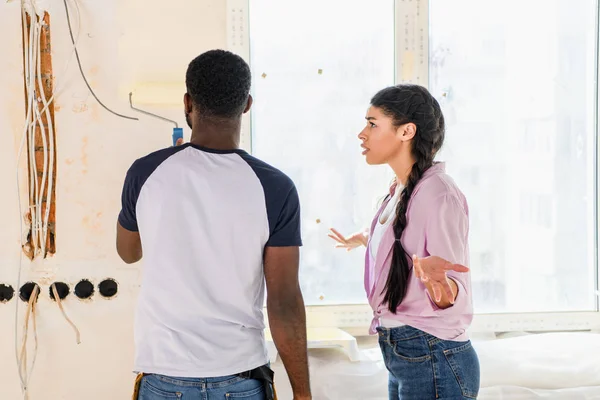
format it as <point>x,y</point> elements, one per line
<point>372,125</point>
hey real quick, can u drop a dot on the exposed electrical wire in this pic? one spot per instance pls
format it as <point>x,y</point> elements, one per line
<point>30,61</point>
<point>25,374</point>
<point>27,128</point>
<point>48,170</point>
<point>83,74</point>
<point>37,218</point>
<point>62,310</point>
<point>39,225</point>
<point>64,72</point>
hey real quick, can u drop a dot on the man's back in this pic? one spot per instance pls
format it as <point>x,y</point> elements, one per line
<point>215,227</point>
<point>204,217</point>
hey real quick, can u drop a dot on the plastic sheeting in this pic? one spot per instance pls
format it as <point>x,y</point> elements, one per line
<point>557,366</point>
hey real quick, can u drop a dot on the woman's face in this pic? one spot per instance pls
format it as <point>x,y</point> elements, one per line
<point>381,140</point>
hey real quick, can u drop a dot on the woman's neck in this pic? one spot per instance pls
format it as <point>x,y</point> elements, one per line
<point>402,165</point>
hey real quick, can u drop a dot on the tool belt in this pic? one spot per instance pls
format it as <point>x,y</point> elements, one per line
<point>266,375</point>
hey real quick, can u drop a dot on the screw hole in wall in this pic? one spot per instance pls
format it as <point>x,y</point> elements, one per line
<point>84,289</point>
<point>108,288</point>
<point>62,289</point>
<point>6,293</point>
<point>26,291</point>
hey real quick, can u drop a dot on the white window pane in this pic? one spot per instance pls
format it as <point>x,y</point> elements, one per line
<point>516,83</point>
<point>316,65</point>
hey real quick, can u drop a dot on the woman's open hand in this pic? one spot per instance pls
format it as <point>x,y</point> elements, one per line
<point>432,271</point>
<point>350,242</point>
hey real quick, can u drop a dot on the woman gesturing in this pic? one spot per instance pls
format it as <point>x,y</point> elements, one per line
<point>417,248</point>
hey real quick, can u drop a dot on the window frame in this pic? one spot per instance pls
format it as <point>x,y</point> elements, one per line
<point>356,319</point>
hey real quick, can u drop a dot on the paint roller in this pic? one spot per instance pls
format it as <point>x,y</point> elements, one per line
<point>177,131</point>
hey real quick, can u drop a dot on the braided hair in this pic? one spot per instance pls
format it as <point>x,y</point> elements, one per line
<point>405,104</point>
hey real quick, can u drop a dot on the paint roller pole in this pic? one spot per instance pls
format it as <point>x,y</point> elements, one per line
<point>177,131</point>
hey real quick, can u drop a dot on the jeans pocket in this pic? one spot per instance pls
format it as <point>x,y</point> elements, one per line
<point>414,350</point>
<point>250,389</point>
<point>465,364</point>
<point>158,390</point>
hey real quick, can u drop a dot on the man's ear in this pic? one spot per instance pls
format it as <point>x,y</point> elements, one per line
<point>249,104</point>
<point>407,131</point>
<point>188,104</point>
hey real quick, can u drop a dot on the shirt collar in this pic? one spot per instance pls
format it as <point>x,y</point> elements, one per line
<point>437,167</point>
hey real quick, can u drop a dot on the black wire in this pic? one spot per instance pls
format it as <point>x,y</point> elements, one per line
<point>83,74</point>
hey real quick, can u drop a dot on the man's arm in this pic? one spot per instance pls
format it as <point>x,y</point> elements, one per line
<point>287,316</point>
<point>129,245</point>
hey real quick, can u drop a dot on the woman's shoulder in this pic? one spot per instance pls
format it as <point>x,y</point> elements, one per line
<point>436,185</point>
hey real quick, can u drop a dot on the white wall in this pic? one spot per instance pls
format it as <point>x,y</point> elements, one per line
<point>122,45</point>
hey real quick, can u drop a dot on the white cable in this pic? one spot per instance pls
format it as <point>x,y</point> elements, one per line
<point>22,355</point>
<point>39,123</point>
<point>30,83</point>
<point>48,166</point>
<point>29,131</point>
<point>42,97</point>
<point>50,181</point>
<point>32,115</point>
<point>48,150</point>
<point>64,72</point>
<point>37,25</point>
<point>64,313</point>
<point>30,60</point>
<point>21,146</point>
<point>42,220</point>
<point>41,235</point>
<point>31,93</point>
<point>34,189</point>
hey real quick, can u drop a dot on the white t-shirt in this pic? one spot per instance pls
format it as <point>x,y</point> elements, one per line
<point>204,218</point>
<point>386,219</point>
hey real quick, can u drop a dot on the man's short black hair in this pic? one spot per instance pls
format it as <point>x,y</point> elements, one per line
<point>219,83</point>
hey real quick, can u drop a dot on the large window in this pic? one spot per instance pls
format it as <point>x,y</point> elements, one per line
<point>316,64</point>
<point>517,81</point>
<point>517,84</point>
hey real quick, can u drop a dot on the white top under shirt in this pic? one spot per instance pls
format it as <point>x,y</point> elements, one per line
<point>387,217</point>
<point>385,220</point>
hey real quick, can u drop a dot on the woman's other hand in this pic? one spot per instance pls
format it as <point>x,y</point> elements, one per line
<point>349,242</point>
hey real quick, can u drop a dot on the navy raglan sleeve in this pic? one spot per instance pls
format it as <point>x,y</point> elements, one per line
<point>137,175</point>
<point>286,230</point>
<point>282,203</point>
<point>131,190</point>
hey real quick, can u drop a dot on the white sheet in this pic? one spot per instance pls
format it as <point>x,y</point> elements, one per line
<point>520,393</point>
<point>545,361</point>
<point>556,366</point>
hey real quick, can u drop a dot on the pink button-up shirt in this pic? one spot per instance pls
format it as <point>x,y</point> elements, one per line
<point>438,225</point>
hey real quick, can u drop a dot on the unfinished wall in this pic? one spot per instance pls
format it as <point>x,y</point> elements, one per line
<point>41,145</point>
<point>123,45</point>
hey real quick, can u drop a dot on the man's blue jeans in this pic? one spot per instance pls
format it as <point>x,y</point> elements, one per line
<point>159,387</point>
